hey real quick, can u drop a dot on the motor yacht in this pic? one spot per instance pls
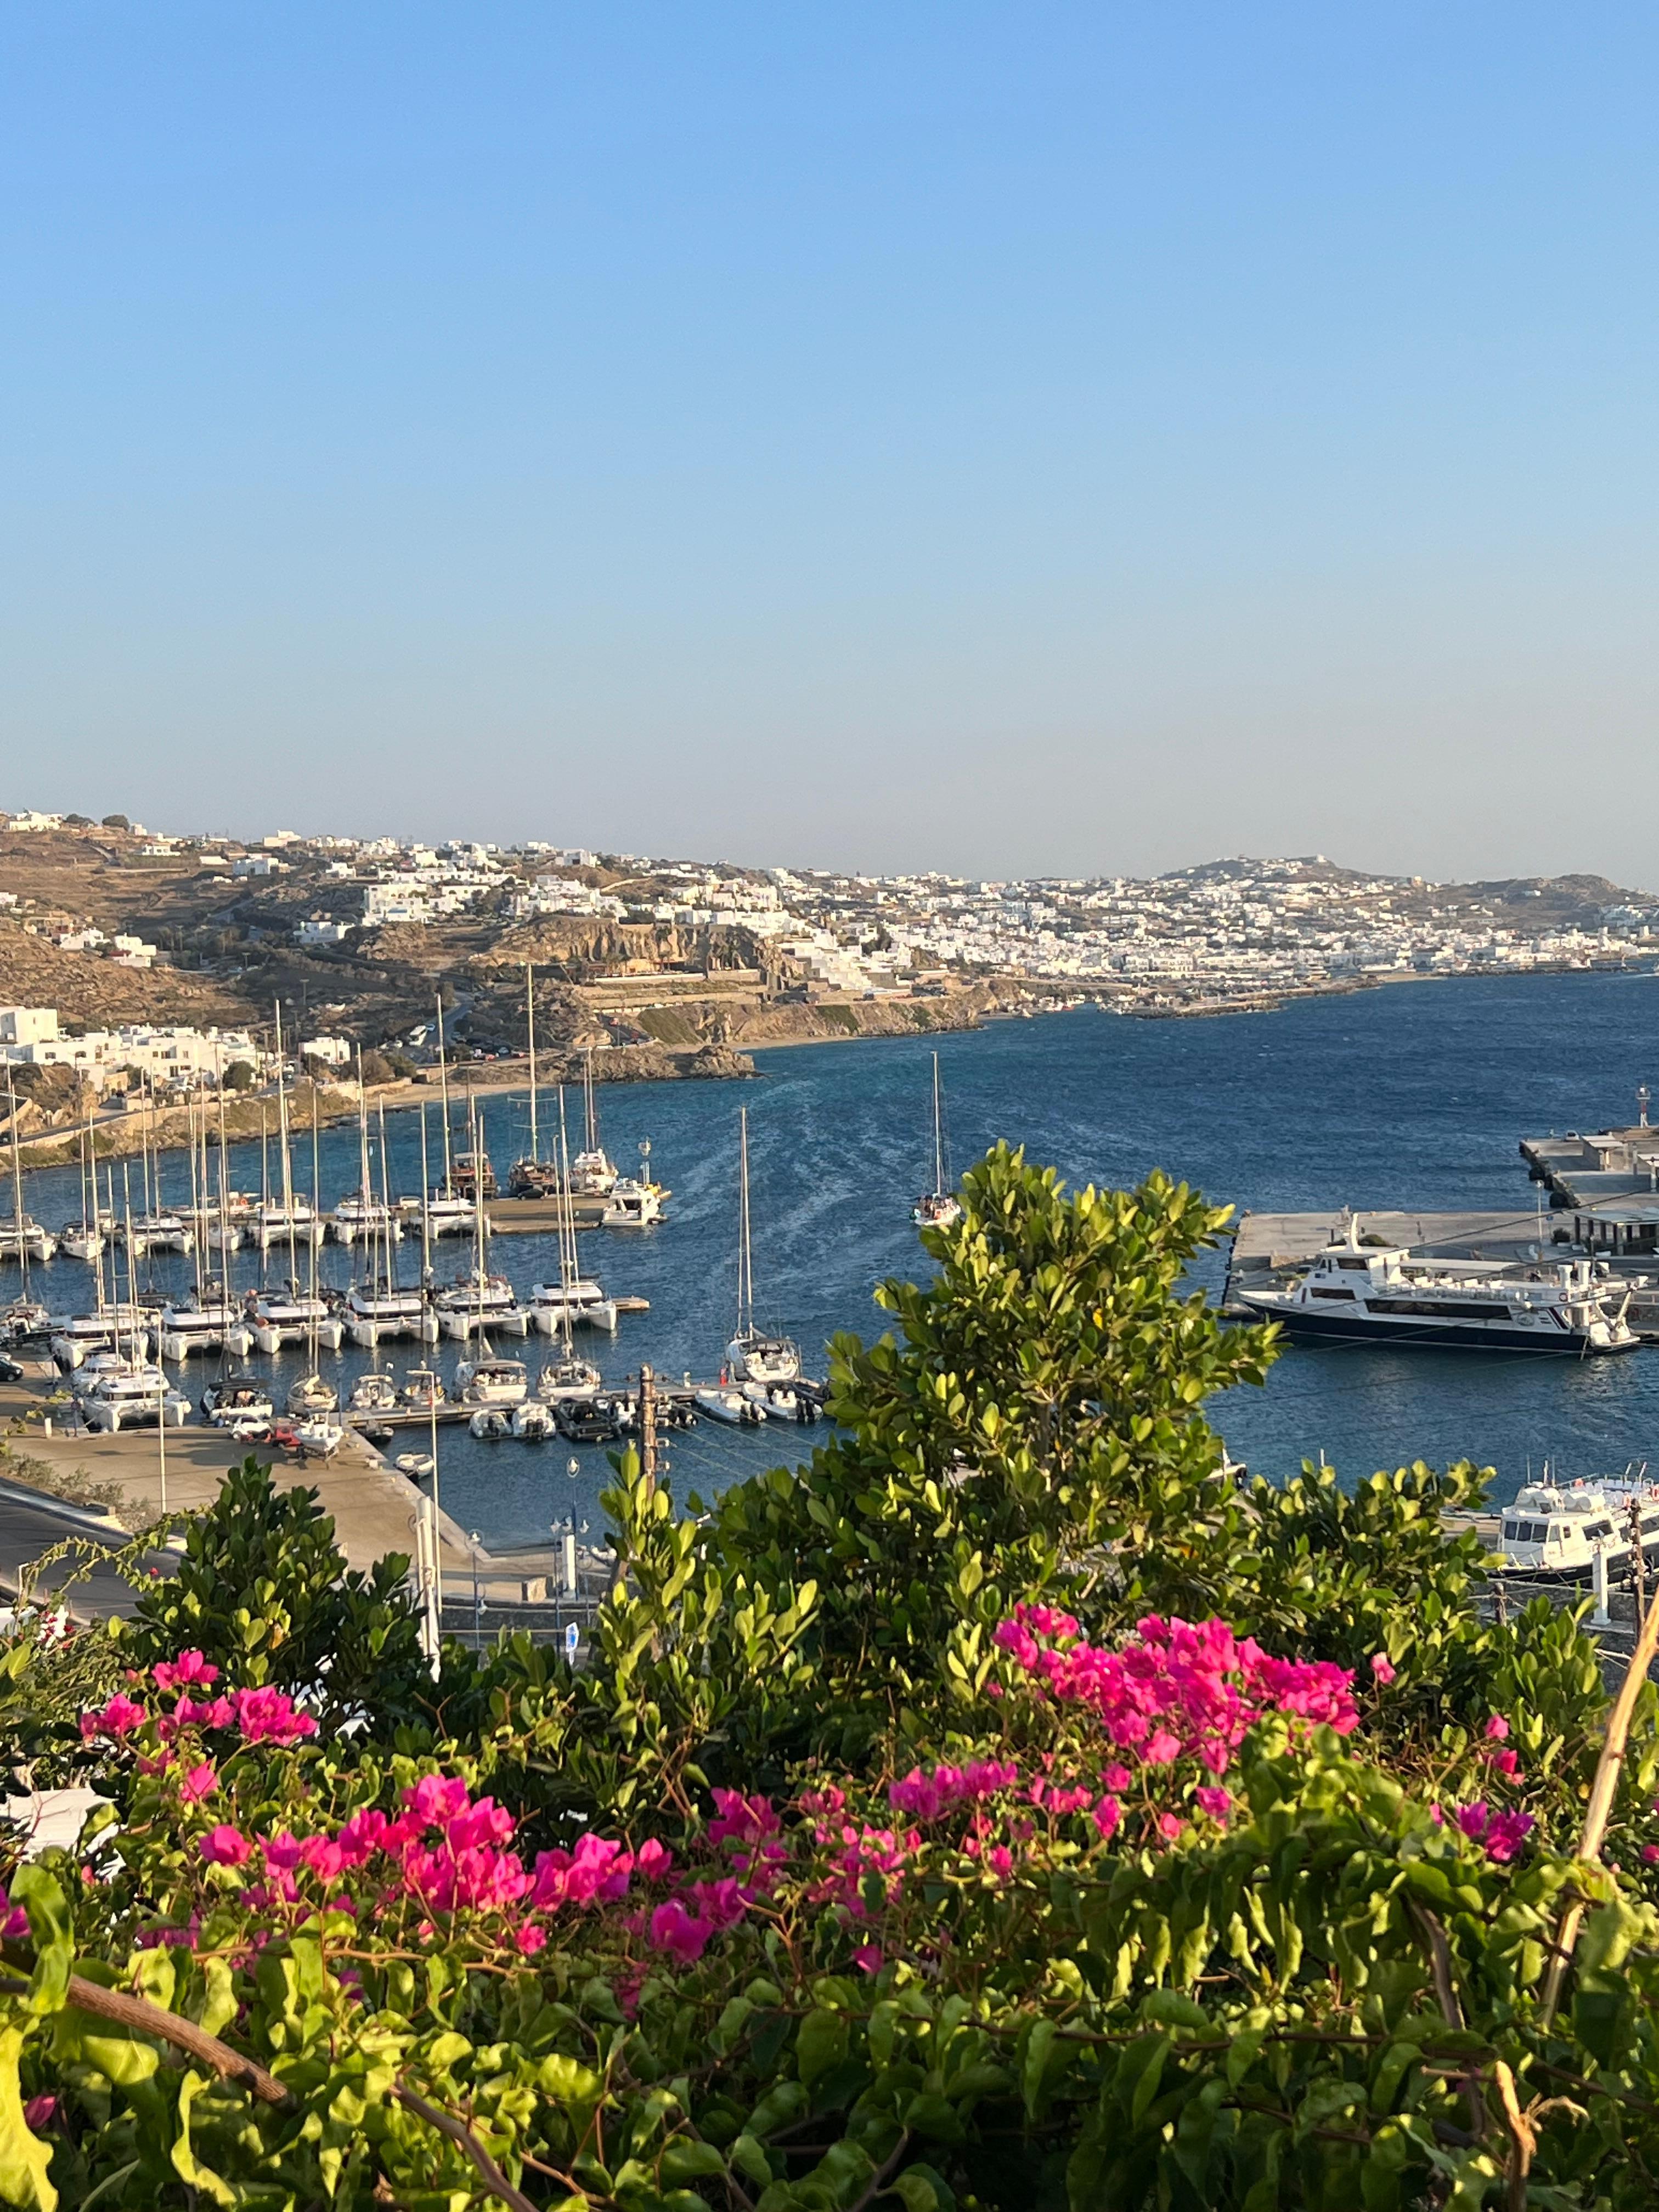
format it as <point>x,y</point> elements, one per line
<point>238,1400</point>
<point>374,1393</point>
<point>422,1390</point>
<point>491,1382</point>
<point>631,1203</point>
<point>1358,1292</point>
<point>1556,1529</point>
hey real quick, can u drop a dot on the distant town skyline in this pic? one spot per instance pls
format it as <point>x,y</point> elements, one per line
<point>1007,441</point>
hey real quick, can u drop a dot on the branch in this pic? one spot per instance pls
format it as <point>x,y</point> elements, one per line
<point>142,2018</point>
<point>459,2132</point>
<point>1602,1789</point>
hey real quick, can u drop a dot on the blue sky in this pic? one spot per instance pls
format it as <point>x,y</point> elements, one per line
<point>1009,439</point>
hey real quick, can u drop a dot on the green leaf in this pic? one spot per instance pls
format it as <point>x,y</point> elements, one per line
<point>33,1888</point>
<point>922,2189</point>
<point>820,2044</point>
<point>24,2158</point>
<point>185,2164</point>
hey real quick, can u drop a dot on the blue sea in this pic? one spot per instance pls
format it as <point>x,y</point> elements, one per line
<point>1410,1096</point>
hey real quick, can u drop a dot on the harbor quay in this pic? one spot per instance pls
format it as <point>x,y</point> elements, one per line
<point>372,1503</point>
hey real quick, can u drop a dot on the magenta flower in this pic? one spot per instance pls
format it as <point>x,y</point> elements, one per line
<point>653,1860</point>
<point>118,1718</point>
<point>201,1782</point>
<point>744,1820</point>
<point>1218,1803</point>
<point>674,1930</point>
<point>1497,1729</point>
<point>1382,1667</point>
<point>226,1847</point>
<point>39,2111</point>
<point>189,1667</point>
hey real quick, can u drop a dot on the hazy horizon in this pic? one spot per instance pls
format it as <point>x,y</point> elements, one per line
<point>1051,440</point>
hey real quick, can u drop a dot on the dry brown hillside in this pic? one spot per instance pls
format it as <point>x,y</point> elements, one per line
<point>102,994</point>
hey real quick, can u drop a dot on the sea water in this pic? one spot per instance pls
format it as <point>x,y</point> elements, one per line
<point>1408,1095</point>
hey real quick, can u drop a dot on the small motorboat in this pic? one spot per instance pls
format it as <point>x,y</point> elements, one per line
<point>731,1406</point>
<point>422,1390</point>
<point>415,1465</point>
<point>490,1424</point>
<point>310,1396</point>
<point>238,1400</point>
<point>374,1393</point>
<point>587,1420</point>
<point>532,1421</point>
<point>318,1438</point>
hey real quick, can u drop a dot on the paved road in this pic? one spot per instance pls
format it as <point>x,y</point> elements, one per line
<point>27,1531</point>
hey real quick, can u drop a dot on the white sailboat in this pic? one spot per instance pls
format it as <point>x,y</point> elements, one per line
<point>567,1377</point>
<point>939,1207</point>
<point>754,1355</point>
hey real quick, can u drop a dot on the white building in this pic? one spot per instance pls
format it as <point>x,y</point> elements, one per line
<point>316,931</point>
<point>28,1024</point>
<point>188,1056</point>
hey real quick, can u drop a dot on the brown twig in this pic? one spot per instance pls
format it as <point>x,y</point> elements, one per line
<point>1522,2140</point>
<point>459,2132</point>
<point>142,2018</point>
<point>1600,1808</point>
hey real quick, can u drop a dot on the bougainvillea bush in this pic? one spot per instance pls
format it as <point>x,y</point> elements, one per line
<point>1009,1809</point>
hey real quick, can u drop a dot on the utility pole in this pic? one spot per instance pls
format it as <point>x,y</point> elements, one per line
<point>648,1426</point>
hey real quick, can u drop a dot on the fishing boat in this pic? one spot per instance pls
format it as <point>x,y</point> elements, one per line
<point>754,1355</point>
<point>1358,1292</point>
<point>473,1176</point>
<point>939,1207</point>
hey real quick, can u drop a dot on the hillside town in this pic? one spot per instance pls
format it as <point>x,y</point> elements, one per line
<point>128,952</point>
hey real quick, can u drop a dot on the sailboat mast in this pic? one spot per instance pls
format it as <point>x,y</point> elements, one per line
<point>443,1096</point>
<point>17,1183</point>
<point>566,1234</point>
<point>288,1166</point>
<point>745,1258</point>
<point>227,1250</point>
<point>426,1206</point>
<point>386,1201</point>
<point>530,1018</point>
<point>591,1111</point>
<point>939,1140</point>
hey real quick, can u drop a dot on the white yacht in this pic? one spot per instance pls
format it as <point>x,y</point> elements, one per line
<point>581,1300</point>
<point>754,1355</point>
<point>568,1377</point>
<point>362,1214</point>
<point>1355,1292</point>
<point>939,1207</point>
<point>162,1232</point>
<point>238,1402</point>
<point>448,1213</point>
<point>532,1421</point>
<point>282,1223</point>
<point>310,1396</point>
<point>731,1406</point>
<point>280,1318</point>
<point>488,1381</point>
<point>1557,1529</point>
<point>81,1240</point>
<point>23,1238</point>
<point>76,1337</point>
<point>422,1391</point>
<point>374,1393</point>
<point>632,1203</point>
<point>212,1323</point>
<point>114,1393</point>
<point>474,1299</point>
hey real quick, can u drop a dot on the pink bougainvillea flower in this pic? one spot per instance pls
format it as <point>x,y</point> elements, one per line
<point>1382,1667</point>
<point>741,1819</point>
<point>1504,1762</point>
<point>39,2111</point>
<point>1218,1803</point>
<point>675,1930</point>
<point>268,1716</point>
<point>653,1860</point>
<point>117,1718</point>
<point>189,1667</point>
<point>1107,1816</point>
<point>201,1782</point>
<point>1497,1729</point>
<point>226,1847</point>
<point>1170,1826</point>
<point>868,1957</point>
